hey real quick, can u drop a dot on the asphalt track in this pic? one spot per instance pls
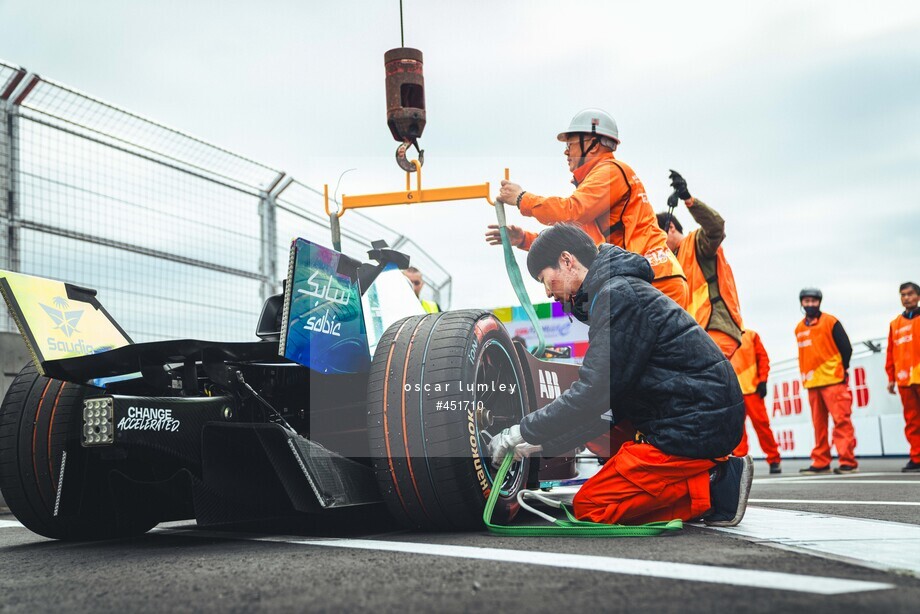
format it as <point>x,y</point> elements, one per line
<point>816,544</point>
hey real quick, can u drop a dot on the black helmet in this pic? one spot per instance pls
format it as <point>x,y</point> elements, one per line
<point>811,292</point>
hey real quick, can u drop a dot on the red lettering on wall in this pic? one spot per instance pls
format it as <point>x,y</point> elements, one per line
<point>785,440</point>
<point>859,387</point>
<point>787,398</point>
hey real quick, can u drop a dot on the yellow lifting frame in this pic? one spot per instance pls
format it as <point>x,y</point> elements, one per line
<point>410,196</point>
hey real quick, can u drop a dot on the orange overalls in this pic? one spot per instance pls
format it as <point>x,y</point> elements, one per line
<point>610,204</point>
<point>642,484</point>
<point>903,367</point>
<point>752,366</point>
<point>823,375</point>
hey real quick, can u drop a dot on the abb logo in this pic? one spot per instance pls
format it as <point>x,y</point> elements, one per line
<point>549,384</point>
<point>787,399</point>
<point>785,440</point>
<point>859,387</point>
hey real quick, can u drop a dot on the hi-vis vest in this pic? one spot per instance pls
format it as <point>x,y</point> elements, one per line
<point>904,351</point>
<point>744,361</point>
<point>700,306</point>
<point>819,359</point>
<point>430,306</point>
<point>632,225</point>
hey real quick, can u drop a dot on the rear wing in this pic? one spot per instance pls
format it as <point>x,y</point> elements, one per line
<point>59,320</point>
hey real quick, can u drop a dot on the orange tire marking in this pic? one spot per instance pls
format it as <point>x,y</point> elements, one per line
<point>50,427</point>
<point>386,428</point>
<point>38,410</point>
<point>405,430</point>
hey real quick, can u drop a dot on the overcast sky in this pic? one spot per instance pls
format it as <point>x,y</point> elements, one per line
<point>798,121</point>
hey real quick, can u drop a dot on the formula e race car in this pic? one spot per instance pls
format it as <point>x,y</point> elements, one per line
<point>351,396</point>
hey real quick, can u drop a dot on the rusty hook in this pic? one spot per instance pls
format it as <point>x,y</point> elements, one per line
<point>404,163</point>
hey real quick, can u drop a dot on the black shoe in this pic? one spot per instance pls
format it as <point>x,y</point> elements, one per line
<point>812,470</point>
<point>729,491</point>
<point>911,467</point>
<point>846,470</point>
<point>775,468</point>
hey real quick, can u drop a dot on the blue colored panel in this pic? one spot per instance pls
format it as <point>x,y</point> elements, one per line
<point>325,327</point>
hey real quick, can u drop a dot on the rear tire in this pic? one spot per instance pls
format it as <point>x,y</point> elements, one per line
<point>40,420</point>
<point>432,464</point>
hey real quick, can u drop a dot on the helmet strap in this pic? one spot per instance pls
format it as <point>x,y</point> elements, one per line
<point>581,146</point>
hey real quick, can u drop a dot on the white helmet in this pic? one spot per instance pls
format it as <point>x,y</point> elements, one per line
<point>592,121</point>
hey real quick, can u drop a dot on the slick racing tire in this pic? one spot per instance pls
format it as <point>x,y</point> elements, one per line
<point>439,390</point>
<point>40,430</point>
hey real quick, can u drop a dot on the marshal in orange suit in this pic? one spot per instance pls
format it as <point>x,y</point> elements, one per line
<point>903,368</point>
<point>824,357</point>
<point>609,202</point>
<point>752,366</point>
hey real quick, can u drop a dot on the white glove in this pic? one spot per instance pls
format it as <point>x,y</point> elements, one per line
<point>510,440</point>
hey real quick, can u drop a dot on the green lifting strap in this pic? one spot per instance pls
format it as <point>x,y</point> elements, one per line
<point>517,282</point>
<point>570,527</point>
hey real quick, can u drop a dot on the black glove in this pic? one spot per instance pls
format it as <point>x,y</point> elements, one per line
<point>680,187</point>
<point>762,389</point>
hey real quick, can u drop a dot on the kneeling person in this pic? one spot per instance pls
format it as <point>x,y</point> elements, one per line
<point>650,361</point>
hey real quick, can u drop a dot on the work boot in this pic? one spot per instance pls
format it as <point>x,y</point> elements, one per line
<point>911,467</point>
<point>846,470</point>
<point>729,489</point>
<point>775,468</point>
<point>812,470</point>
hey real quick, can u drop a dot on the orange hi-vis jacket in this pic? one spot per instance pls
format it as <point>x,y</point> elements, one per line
<point>700,306</point>
<point>903,361</point>
<point>611,205</point>
<point>751,363</point>
<point>819,358</point>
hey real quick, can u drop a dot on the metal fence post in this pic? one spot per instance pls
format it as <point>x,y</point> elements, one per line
<point>6,172</point>
<point>7,196</point>
<point>268,236</point>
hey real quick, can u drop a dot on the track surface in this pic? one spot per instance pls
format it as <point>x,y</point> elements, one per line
<point>860,553</point>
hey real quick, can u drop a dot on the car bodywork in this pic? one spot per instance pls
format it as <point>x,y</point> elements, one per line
<point>232,432</point>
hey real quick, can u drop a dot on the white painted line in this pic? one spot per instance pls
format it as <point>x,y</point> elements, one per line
<point>826,476</point>
<point>656,569</point>
<point>890,546</point>
<point>633,567</point>
<point>833,482</point>
<point>833,502</point>
<point>10,524</point>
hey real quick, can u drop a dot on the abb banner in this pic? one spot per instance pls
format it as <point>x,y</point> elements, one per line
<point>877,415</point>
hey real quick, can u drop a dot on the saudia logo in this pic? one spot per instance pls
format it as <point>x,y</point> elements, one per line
<point>66,321</point>
<point>549,384</point>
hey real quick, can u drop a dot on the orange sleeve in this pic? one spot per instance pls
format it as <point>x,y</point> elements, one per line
<point>889,355</point>
<point>763,360</point>
<point>528,240</point>
<point>590,200</point>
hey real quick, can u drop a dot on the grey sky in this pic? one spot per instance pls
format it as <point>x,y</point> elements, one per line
<point>797,121</point>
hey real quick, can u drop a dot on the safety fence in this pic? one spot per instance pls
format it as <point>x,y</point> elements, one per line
<point>180,237</point>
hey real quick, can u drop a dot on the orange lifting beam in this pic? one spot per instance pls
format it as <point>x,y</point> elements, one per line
<point>410,196</point>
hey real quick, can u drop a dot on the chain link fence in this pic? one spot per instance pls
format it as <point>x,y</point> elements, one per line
<point>180,237</point>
